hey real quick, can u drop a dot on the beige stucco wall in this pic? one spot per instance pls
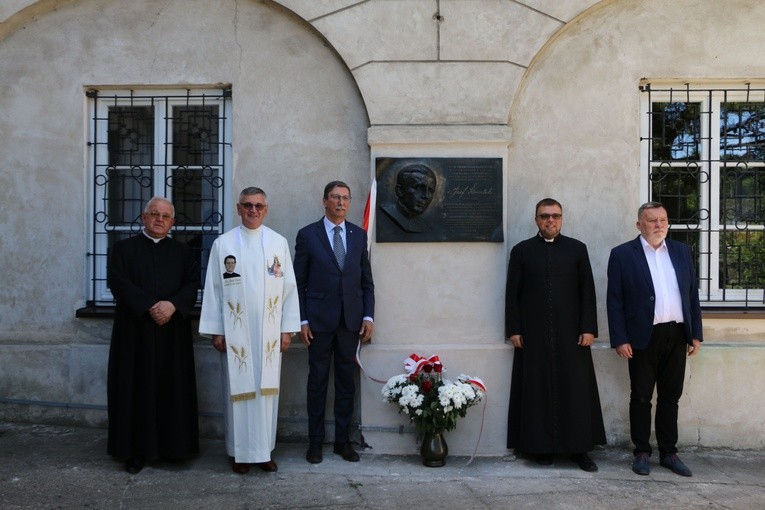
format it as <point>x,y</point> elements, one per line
<point>574,122</point>
<point>321,87</point>
<point>298,120</point>
<point>298,123</point>
<point>576,134</point>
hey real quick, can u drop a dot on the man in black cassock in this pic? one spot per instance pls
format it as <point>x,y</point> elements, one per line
<point>551,320</point>
<point>151,385</point>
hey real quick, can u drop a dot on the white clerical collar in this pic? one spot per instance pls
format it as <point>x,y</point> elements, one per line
<point>154,239</point>
<point>545,239</point>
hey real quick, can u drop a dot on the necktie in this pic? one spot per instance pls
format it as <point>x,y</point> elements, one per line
<point>337,246</point>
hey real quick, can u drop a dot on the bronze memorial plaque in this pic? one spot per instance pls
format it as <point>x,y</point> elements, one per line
<point>439,199</point>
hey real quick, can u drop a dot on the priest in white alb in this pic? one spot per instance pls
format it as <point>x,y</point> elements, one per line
<point>250,318</point>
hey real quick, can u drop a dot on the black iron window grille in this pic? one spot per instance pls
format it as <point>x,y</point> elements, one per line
<point>142,144</point>
<point>704,159</point>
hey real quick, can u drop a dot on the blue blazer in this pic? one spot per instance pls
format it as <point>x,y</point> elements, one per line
<point>631,297</point>
<point>324,290</point>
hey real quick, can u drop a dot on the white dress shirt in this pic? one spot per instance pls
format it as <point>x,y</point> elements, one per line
<point>668,306</point>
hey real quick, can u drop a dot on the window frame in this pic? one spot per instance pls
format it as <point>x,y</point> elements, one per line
<point>709,225</point>
<point>219,174</point>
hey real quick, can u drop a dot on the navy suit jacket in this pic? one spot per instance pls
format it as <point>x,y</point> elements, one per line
<point>324,289</point>
<point>631,297</point>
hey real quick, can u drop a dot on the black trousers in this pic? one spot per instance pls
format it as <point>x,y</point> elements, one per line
<point>325,347</point>
<point>660,365</point>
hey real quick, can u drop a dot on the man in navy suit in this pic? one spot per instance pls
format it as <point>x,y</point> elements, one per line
<point>654,320</point>
<point>337,302</point>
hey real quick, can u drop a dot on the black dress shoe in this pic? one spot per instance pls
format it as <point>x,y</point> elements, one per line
<point>640,465</point>
<point>674,463</point>
<point>584,462</point>
<point>346,451</point>
<point>313,455</point>
<point>543,459</point>
<point>134,465</point>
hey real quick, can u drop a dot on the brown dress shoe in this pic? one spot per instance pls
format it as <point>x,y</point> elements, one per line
<point>268,467</point>
<point>239,467</point>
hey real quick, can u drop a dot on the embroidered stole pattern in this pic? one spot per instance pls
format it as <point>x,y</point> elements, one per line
<point>236,325</point>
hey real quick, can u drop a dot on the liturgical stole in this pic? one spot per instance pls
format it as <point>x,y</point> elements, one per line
<point>236,325</point>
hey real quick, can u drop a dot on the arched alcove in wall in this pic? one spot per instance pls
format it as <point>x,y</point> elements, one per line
<point>297,120</point>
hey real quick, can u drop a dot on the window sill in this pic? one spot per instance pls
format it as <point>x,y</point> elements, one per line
<point>733,313</point>
<point>107,312</point>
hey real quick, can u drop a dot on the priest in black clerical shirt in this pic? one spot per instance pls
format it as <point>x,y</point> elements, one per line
<point>550,318</point>
<point>151,385</point>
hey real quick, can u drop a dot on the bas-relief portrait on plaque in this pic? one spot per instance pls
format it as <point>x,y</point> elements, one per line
<point>439,200</point>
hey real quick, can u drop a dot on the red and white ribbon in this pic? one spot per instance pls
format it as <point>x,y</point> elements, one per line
<point>415,364</point>
<point>479,383</point>
<point>361,365</point>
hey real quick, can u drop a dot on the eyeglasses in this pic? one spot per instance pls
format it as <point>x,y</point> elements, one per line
<point>250,206</point>
<point>344,198</point>
<point>547,216</point>
<point>159,216</point>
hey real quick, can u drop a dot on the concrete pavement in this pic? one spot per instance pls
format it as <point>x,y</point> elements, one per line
<point>65,467</point>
